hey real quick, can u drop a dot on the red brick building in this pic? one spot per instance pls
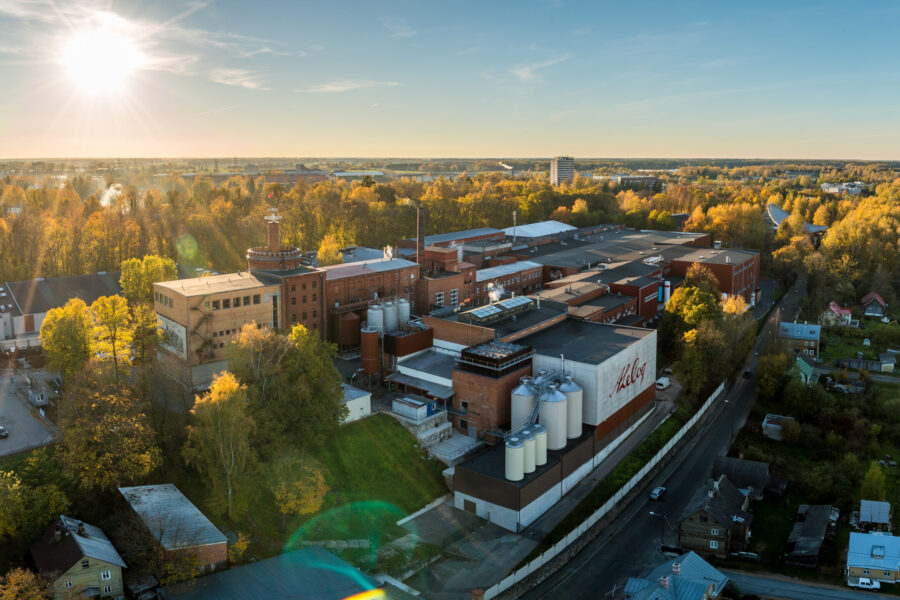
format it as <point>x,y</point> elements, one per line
<point>644,289</point>
<point>737,271</point>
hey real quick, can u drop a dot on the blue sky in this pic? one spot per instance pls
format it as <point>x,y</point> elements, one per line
<point>429,79</point>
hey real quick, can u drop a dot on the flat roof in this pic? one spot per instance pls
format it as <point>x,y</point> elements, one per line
<point>523,320</point>
<point>441,238</point>
<point>353,393</point>
<point>503,270</point>
<point>584,341</point>
<point>171,517</point>
<point>229,282</point>
<point>569,292</point>
<point>532,230</point>
<point>431,361</point>
<point>639,281</point>
<point>364,267</point>
<point>35,296</point>
<point>734,256</point>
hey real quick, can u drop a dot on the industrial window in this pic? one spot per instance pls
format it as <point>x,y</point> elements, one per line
<point>439,298</point>
<point>214,334</point>
<point>304,316</point>
<point>314,285</point>
<point>256,299</point>
<point>454,297</point>
<point>304,299</point>
<point>226,303</point>
<point>315,314</point>
<point>237,302</point>
<point>68,584</point>
<point>294,317</point>
<point>713,544</point>
<point>293,288</point>
<point>107,589</point>
<point>713,531</point>
<point>85,564</point>
<point>314,297</point>
<point>105,575</point>
<point>215,305</point>
<point>293,302</point>
<point>303,286</point>
<point>246,300</point>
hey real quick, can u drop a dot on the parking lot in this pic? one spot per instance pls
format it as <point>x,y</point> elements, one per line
<point>25,430</point>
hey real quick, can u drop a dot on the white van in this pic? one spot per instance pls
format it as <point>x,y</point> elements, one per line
<point>662,383</point>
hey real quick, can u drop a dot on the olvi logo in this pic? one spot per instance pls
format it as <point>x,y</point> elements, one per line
<point>630,374</point>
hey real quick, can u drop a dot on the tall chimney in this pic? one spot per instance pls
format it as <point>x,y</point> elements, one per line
<point>420,235</point>
<point>272,230</point>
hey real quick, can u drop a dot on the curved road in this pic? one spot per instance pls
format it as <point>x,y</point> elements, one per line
<point>778,588</point>
<point>628,547</point>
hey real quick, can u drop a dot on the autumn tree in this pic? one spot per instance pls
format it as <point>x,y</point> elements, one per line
<point>112,331</point>
<point>22,584</point>
<point>771,373</point>
<point>873,485</point>
<point>219,440</point>
<point>139,275</point>
<point>297,480</point>
<point>26,508</point>
<point>329,252</point>
<point>704,357</point>
<point>106,441</point>
<point>66,336</point>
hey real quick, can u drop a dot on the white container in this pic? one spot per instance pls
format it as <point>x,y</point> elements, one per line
<point>522,401</point>
<point>575,401</point>
<point>540,445</point>
<point>403,311</point>
<point>530,444</point>
<point>554,417</point>
<point>390,316</point>
<point>515,459</point>
<point>375,318</point>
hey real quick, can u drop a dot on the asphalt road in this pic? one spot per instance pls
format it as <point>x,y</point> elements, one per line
<point>25,431</point>
<point>786,589</point>
<point>629,547</point>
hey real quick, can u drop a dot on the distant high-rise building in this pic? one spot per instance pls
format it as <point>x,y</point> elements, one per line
<point>562,168</point>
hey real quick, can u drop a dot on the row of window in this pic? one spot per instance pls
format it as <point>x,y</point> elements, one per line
<point>235,302</point>
<point>302,286</point>
<point>315,314</point>
<point>886,573</point>
<point>164,300</point>
<point>294,300</point>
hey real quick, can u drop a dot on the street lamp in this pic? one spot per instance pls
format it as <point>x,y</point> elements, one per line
<point>662,525</point>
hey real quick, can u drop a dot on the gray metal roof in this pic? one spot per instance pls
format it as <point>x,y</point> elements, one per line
<point>871,511</point>
<point>93,545</point>
<point>352,393</point>
<point>432,362</point>
<point>695,578</point>
<point>542,228</point>
<point>584,341</point>
<point>310,573</point>
<point>453,236</point>
<point>36,296</point>
<point>800,331</point>
<point>171,517</point>
<point>502,270</point>
<point>874,551</point>
<point>778,214</point>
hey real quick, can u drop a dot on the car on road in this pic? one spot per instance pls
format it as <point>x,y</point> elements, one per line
<point>667,371</point>
<point>747,374</point>
<point>863,583</point>
<point>663,383</point>
<point>658,493</point>
<point>3,432</point>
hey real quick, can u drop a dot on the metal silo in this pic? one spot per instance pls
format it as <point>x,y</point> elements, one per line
<point>540,444</point>
<point>522,401</point>
<point>575,397</point>
<point>554,417</point>
<point>403,311</point>
<point>375,318</point>
<point>369,350</point>
<point>515,459</point>
<point>390,316</point>
<point>529,443</point>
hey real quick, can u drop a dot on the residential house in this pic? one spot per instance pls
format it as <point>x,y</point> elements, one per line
<point>835,314</point>
<point>874,555</point>
<point>808,534</point>
<point>715,521</point>
<point>887,360</point>
<point>750,476</point>
<point>178,526</point>
<point>78,559</point>
<point>874,305</point>
<point>687,577</point>
<point>803,338</point>
<point>772,426</point>
<point>804,369</point>
<point>311,572</point>
<point>874,516</point>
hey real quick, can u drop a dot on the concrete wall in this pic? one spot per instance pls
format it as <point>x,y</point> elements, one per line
<point>358,408</point>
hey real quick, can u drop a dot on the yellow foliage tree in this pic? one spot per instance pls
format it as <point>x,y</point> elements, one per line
<point>297,481</point>
<point>329,251</point>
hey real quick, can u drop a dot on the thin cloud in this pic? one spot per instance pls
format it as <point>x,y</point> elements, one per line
<point>528,73</point>
<point>399,28</point>
<point>339,86</point>
<point>216,111</point>
<point>238,78</point>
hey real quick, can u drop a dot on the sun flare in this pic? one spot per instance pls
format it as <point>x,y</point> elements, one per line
<point>100,61</point>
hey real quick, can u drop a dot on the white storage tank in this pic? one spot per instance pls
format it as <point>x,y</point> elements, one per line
<point>515,459</point>
<point>554,416</point>
<point>540,444</point>
<point>522,401</point>
<point>575,401</point>
<point>375,318</point>
<point>390,316</point>
<point>403,311</point>
<point>529,444</point>
<point>667,292</point>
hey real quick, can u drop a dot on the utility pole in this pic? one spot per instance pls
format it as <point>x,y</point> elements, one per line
<point>514,226</point>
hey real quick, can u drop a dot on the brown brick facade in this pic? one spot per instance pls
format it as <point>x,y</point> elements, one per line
<point>484,400</point>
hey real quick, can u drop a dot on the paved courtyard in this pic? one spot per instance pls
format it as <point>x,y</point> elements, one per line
<point>25,431</point>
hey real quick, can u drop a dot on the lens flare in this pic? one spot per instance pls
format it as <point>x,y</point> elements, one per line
<point>100,60</point>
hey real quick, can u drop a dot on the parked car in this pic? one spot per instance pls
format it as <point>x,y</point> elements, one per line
<point>667,371</point>
<point>747,374</point>
<point>658,493</point>
<point>662,383</point>
<point>3,432</point>
<point>863,583</point>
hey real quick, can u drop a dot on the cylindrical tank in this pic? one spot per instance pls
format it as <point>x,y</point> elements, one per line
<point>349,327</point>
<point>403,311</point>
<point>574,402</point>
<point>530,444</point>
<point>390,316</point>
<point>554,417</point>
<point>540,444</point>
<point>375,318</point>
<point>667,291</point>
<point>522,402</point>
<point>515,459</point>
<point>369,350</point>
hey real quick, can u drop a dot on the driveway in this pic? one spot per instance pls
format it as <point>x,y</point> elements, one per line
<point>25,430</point>
<point>793,589</point>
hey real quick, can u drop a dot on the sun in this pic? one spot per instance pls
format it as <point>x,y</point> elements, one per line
<point>100,61</point>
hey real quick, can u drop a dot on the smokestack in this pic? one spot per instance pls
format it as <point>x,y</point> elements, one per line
<point>420,235</point>
<point>81,530</point>
<point>274,237</point>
